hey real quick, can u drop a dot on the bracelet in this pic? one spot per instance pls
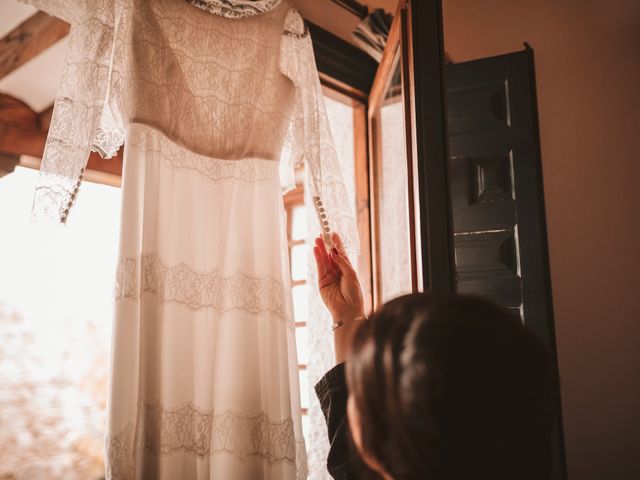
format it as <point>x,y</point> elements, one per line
<point>340,323</point>
<point>337,325</point>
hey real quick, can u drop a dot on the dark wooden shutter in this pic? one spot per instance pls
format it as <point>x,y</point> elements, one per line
<point>497,196</point>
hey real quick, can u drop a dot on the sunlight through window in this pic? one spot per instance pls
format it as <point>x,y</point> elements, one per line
<point>55,327</point>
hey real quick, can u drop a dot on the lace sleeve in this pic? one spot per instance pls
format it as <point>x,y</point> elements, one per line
<point>63,9</point>
<point>309,138</point>
<point>71,11</point>
<point>82,117</point>
<point>109,136</point>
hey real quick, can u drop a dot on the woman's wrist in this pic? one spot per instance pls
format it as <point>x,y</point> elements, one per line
<point>343,328</point>
<point>348,317</point>
<point>347,320</point>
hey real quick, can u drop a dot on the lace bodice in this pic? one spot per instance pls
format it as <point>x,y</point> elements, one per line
<point>221,85</point>
<point>199,79</point>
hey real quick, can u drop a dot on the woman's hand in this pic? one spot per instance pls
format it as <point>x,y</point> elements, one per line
<point>340,291</point>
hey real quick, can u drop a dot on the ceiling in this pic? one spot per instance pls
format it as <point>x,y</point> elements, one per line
<point>37,81</point>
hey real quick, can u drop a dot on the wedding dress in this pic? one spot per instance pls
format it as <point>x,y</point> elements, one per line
<point>216,102</point>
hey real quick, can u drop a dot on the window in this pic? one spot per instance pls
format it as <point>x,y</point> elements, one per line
<point>55,331</point>
<point>298,257</point>
<point>342,113</point>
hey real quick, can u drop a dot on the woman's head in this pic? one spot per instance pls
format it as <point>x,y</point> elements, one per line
<point>450,387</point>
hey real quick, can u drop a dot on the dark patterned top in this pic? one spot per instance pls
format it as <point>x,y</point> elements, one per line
<point>343,462</point>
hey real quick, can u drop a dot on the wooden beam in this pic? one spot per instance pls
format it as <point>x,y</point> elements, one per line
<point>21,141</point>
<point>44,118</point>
<point>27,40</point>
<point>8,164</point>
<point>19,131</point>
<point>24,132</point>
<point>111,165</point>
<point>16,113</point>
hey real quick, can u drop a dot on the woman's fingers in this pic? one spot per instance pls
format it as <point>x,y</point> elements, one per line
<point>324,255</point>
<point>337,242</point>
<point>339,256</point>
<point>328,264</point>
<point>320,263</point>
<point>343,264</point>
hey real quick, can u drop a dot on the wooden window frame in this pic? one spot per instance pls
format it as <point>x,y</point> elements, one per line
<point>292,200</point>
<point>395,48</point>
<point>419,29</point>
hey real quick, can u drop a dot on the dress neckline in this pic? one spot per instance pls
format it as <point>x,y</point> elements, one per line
<point>236,8</point>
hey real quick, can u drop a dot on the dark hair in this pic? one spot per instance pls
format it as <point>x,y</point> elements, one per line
<point>452,387</point>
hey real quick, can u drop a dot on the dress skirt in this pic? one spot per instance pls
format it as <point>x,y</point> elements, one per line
<point>204,376</point>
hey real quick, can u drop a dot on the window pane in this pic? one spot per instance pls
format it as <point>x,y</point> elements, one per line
<point>301,303</point>
<point>302,342</point>
<point>299,262</point>
<point>304,389</point>
<point>299,223</point>
<point>393,202</point>
<point>54,352</point>
<point>306,428</point>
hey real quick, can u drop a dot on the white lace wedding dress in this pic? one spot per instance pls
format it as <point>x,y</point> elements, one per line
<point>204,380</point>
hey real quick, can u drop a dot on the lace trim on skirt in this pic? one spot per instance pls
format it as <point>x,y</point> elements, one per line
<point>196,290</point>
<point>163,431</point>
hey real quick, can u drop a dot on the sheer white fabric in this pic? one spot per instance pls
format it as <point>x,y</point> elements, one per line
<point>309,137</point>
<point>79,104</point>
<point>92,107</point>
<point>204,371</point>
